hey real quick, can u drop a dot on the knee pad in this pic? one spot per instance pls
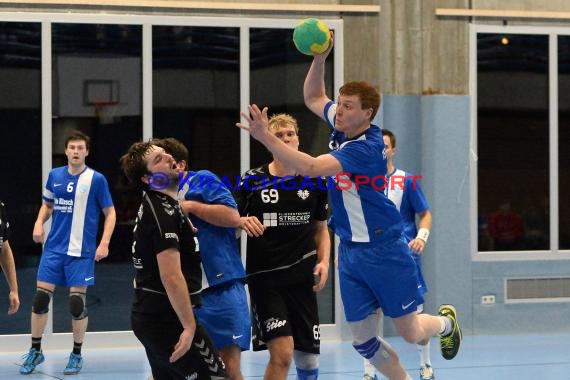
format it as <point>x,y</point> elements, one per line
<point>366,340</point>
<point>376,350</point>
<point>77,306</point>
<point>305,360</point>
<point>41,301</point>
<point>368,348</point>
<point>310,374</point>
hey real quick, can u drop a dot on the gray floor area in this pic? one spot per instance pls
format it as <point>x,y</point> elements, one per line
<point>527,357</point>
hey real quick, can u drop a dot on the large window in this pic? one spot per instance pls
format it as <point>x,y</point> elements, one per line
<point>196,93</point>
<point>20,158</point>
<point>522,132</point>
<point>278,71</point>
<point>564,140</point>
<point>104,74</point>
<point>512,141</point>
<point>96,82</point>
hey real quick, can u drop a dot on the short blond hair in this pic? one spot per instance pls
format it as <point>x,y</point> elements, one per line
<point>282,120</point>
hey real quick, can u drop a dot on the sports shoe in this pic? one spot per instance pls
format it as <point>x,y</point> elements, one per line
<point>32,359</point>
<point>368,377</point>
<point>74,364</point>
<point>426,373</point>
<point>450,343</point>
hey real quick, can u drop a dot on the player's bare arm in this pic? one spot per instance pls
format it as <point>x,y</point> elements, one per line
<point>177,291</point>
<point>44,214</point>
<point>323,243</point>
<point>218,215</point>
<point>302,163</point>
<point>108,227</point>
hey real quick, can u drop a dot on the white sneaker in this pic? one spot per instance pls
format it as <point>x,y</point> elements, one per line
<point>426,373</point>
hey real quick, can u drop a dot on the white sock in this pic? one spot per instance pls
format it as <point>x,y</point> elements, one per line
<point>369,368</point>
<point>424,354</point>
<point>445,325</point>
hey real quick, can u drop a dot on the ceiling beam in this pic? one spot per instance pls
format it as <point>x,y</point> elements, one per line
<point>502,13</point>
<point>208,5</point>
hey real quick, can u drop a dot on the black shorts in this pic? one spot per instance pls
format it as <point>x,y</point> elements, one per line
<point>159,333</point>
<point>288,310</point>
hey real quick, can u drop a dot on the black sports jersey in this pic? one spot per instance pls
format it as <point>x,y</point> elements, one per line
<point>161,225</point>
<point>288,208</point>
<point>4,225</point>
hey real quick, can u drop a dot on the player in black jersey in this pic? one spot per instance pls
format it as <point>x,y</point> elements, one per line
<point>288,244</point>
<point>7,262</point>
<point>168,273</point>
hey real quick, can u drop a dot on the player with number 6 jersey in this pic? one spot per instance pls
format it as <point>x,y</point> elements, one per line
<point>74,198</point>
<point>77,203</point>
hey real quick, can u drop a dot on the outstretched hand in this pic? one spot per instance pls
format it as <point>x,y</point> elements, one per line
<point>257,122</point>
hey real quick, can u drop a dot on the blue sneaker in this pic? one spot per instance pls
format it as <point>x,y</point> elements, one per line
<point>31,360</point>
<point>74,364</point>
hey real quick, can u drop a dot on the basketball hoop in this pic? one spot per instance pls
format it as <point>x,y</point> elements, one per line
<point>105,112</point>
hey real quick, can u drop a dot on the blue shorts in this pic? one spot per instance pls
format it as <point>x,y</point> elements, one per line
<point>225,315</point>
<point>422,286</point>
<point>380,275</point>
<point>64,270</point>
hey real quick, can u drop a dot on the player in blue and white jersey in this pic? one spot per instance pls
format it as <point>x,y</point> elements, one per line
<point>375,267</point>
<point>74,198</point>
<point>211,207</point>
<point>404,190</point>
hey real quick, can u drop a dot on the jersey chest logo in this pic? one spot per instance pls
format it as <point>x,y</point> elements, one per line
<point>303,194</point>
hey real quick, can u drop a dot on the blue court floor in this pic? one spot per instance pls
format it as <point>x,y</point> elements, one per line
<point>528,357</point>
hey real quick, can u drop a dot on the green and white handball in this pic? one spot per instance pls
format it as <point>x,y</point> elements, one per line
<point>311,36</point>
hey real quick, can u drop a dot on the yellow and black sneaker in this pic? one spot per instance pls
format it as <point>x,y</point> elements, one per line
<point>450,343</point>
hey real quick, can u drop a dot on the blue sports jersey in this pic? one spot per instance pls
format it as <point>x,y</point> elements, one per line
<point>219,248</point>
<point>405,192</point>
<point>77,203</point>
<point>361,213</point>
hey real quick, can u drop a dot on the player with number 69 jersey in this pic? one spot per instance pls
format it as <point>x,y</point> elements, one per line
<point>288,243</point>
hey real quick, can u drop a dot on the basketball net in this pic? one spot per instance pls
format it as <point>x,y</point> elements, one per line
<point>105,112</point>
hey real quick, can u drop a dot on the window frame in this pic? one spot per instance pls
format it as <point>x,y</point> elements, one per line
<point>126,338</point>
<point>554,253</point>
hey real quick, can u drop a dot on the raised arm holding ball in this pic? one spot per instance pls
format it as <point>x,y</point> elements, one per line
<point>375,267</point>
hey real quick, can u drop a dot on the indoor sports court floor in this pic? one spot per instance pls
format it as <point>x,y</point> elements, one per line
<point>520,357</point>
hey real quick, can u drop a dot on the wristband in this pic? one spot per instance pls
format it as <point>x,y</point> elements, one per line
<point>423,234</point>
